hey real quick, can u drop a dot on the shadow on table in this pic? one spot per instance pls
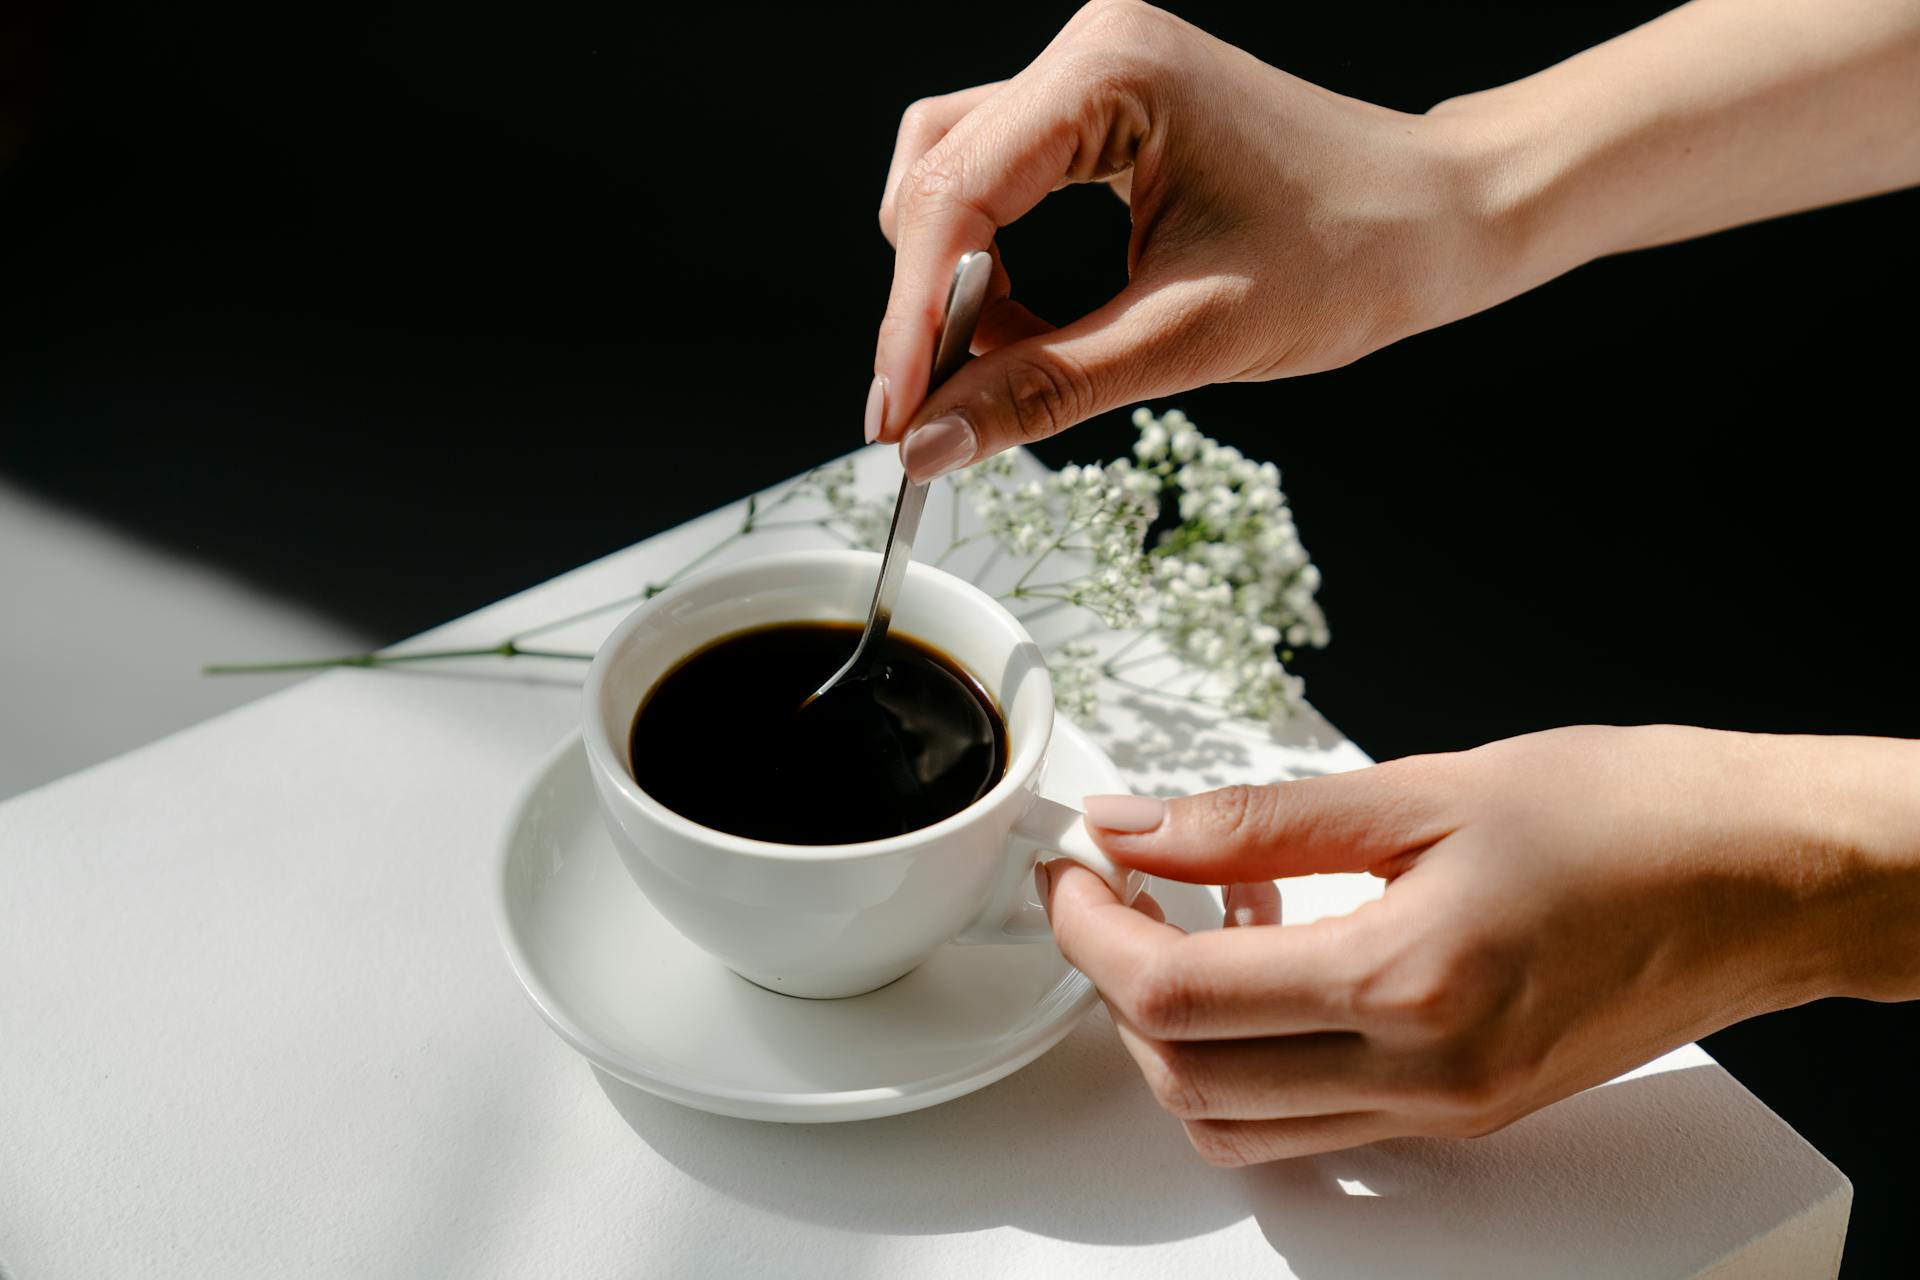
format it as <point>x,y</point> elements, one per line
<point>1652,1177</point>
<point>1166,746</point>
<point>1071,1147</point>
<point>1074,1151</point>
<point>1623,1181</point>
<point>1640,1173</point>
<point>1168,738</point>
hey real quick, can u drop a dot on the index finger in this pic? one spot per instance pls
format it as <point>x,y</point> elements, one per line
<point>1213,985</point>
<point>922,125</point>
<point>993,165</point>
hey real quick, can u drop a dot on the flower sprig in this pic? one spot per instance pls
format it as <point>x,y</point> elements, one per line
<point>1102,512</point>
<point>1223,586</point>
<point>1187,541</point>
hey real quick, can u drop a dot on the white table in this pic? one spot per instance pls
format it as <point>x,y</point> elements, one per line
<point>254,1022</point>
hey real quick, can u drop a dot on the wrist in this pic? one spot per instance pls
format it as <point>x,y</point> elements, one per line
<point>1523,170</point>
<point>1503,186</point>
<point>1812,862</point>
<point>1863,799</point>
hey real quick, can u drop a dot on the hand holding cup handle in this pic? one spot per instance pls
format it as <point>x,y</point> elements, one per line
<point>1049,828</point>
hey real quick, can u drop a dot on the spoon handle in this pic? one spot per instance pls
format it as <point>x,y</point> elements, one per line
<point>966,296</point>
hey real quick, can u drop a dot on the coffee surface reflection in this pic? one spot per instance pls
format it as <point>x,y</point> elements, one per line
<point>723,740</point>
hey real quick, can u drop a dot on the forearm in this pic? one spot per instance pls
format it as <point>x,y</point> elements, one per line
<point>1718,113</point>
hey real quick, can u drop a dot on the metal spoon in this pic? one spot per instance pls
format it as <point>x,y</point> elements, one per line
<point>965,298</point>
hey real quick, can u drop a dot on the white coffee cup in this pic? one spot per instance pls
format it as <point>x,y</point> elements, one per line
<point>838,920</point>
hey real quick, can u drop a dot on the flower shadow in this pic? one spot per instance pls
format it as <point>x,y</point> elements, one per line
<point>1166,744</point>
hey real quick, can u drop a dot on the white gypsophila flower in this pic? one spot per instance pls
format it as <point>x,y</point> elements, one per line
<point>1223,588</point>
<point>867,526</point>
<point>1245,583</point>
<point>863,522</point>
<point>1019,516</point>
<point>833,482</point>
<point>1101,512</point>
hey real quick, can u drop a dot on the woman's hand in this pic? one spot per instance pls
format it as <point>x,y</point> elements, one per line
<point>1277,229</point>
<point>1562,907</point>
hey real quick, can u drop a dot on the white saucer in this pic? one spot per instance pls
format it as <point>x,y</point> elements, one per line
<point>623,987</point>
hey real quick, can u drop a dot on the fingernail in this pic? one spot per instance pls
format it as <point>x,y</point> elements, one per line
<point>876,407</point>
<point>1043,882</point>
<point>1238,914</point>
<point>895,410</point>
<point>943,445</point>
<point>1128,815</point>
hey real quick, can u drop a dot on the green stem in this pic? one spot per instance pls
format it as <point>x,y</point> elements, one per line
<point>651,590</point>
<point>584,614</point>
<point>761,525</point>
<point>792,491</point>
<point>505,649</point>
<point>1128,647</point>
<point>1043,610</point>
<point>1051,548</point>
<point>952,547</point>
<point>699,560</point>
<point>845,537</point>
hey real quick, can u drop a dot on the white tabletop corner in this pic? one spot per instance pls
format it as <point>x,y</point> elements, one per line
<point>254,1021</point>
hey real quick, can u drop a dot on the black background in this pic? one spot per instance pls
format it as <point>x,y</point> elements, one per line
<point>398,309</point>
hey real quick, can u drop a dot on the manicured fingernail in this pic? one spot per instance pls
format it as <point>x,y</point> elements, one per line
<point>895,410</point>
<point>943,445</point>
<point>876,407</point>
<point>1128,815</point>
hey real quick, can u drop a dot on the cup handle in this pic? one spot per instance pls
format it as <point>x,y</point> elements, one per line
<point>1014,914</point>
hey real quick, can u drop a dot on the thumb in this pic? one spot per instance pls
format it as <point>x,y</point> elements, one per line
<point>1147,342</point>
<point>1340,822</point>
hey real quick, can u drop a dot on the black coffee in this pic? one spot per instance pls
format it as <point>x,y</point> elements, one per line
<point>723,739</point>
